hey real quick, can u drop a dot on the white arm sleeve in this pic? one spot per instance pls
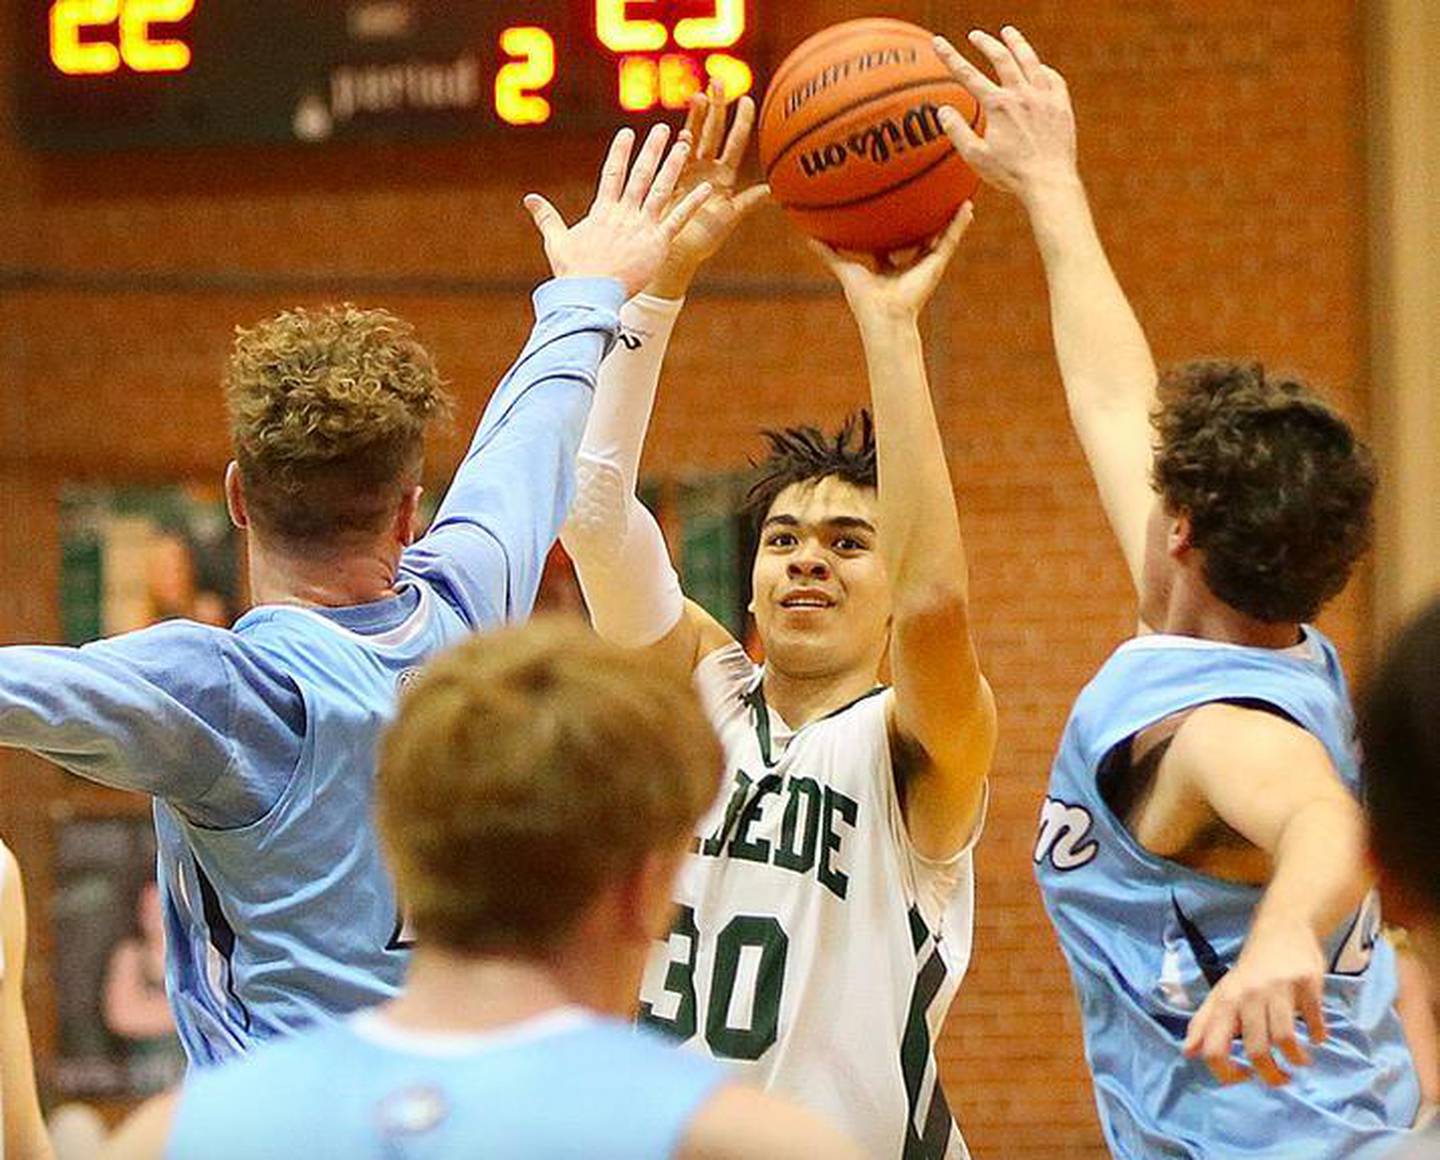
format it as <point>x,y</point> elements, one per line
<point>620,556</point>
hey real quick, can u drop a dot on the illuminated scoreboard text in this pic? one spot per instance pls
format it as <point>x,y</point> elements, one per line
<point>118,73</point>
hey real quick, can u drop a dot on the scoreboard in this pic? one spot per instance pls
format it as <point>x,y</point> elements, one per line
<point>115,74</point>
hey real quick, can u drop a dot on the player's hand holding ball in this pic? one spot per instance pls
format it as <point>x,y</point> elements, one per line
<point>895,287</point>
<point>715,160</point>
<point>1278,977</point>
<point>631,223</point>
<point>1029,142</point>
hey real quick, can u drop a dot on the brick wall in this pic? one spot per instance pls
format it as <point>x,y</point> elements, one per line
<point>1222,146</point>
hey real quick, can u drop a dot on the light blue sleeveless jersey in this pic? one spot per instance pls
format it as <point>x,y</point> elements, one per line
<point>564,1086</point>
<point>1146,938</point>
<point>251,913</point>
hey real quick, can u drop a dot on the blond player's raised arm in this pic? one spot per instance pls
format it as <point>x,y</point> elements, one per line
<point>944,713</point>
<point>1105,360</point>
<point>620,555</point>
<point>24,1127</point>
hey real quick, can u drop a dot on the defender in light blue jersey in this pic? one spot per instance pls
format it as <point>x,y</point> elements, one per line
<point>1201,846</point>
<point>258,743</point>
<point>535,796</point>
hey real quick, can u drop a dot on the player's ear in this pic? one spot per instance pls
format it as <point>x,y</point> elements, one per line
<point>407,519</point>
<point>235,496</point>
<point>649,908</point>
<point>1179,539</point>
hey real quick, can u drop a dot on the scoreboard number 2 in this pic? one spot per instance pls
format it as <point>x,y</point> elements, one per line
<point>518,84</point>
<point>137,49</point>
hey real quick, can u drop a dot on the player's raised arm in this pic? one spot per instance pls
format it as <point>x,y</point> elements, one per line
<point>499,518</point>
<point>619,552</point>
<point>943,704</point>
<point>1105,362</point>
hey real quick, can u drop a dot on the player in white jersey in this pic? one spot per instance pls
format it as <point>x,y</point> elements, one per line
<point>826,911</point>
<point>22,1130</point>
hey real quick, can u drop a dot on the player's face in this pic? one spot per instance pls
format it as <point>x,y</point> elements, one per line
<point>822,599</point>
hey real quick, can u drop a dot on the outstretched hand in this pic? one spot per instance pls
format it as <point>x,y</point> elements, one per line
<point>715,160</point>
<point>1029,140</point>
<point>1276,980</point>
<point>633,220</point>
<point>896,285</point>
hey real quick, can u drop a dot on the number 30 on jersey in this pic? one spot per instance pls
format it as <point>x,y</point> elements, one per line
<point>757,944</point>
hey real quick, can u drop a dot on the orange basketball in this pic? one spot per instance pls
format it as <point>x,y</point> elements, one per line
<point>850,137</point>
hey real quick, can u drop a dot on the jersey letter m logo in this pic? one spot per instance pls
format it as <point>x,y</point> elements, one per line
<point>1063,830</point>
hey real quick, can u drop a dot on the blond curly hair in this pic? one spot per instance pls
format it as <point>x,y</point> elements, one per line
<point>328,411</point>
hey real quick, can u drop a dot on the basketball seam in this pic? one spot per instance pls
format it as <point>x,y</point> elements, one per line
<point>788,64</point>
<point>914,177</point>
<point>919,83</point>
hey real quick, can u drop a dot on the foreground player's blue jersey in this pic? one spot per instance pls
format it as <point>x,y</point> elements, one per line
<point>564,1085</point>
<point>259,743</point>
<point>1147,938</point>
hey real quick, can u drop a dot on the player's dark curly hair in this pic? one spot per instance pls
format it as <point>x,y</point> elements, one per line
<point>1278,488</point>
<point>1401,743</point>
<point>808,455</point>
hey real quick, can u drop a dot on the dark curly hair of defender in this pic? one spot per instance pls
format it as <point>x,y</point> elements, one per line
<point>1278,489</point>
<point>808,455</point>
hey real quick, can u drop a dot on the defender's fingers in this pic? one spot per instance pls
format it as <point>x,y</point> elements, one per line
<point>740,130</point>
<point>748,201</point>
<point>679,217</point>
<point>1209,1039</point>
<point>1283,1033</point>
<point>966,73</point>
<point>1227,1071</point>
<point>1255,1034</point>
<point>712,134</point>
<point>695,116</point>
<point>662,189</point>
<point>1025,56</point>
<point>1000,57</point>
<point>647,164</point>
<point>968,143</point>
<point>1308,1000</point>
<point>617,161</point>
<point>546,217</point>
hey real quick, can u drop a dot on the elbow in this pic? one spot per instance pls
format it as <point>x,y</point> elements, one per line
<point>935,606</point>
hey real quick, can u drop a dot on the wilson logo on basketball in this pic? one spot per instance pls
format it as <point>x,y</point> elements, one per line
<point>879,143</point>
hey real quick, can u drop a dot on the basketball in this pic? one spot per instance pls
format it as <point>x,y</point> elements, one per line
<point>850,137</point>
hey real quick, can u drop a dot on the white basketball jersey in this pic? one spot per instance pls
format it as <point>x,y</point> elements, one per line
<point>815,949</point>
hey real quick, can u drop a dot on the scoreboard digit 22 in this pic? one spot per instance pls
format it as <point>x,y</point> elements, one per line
<point>116,74</point>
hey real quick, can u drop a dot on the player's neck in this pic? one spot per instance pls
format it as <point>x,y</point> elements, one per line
<point>454,992</point>
<point>800,699</point>
<point>331,580</point>
<point>1201,614</point>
